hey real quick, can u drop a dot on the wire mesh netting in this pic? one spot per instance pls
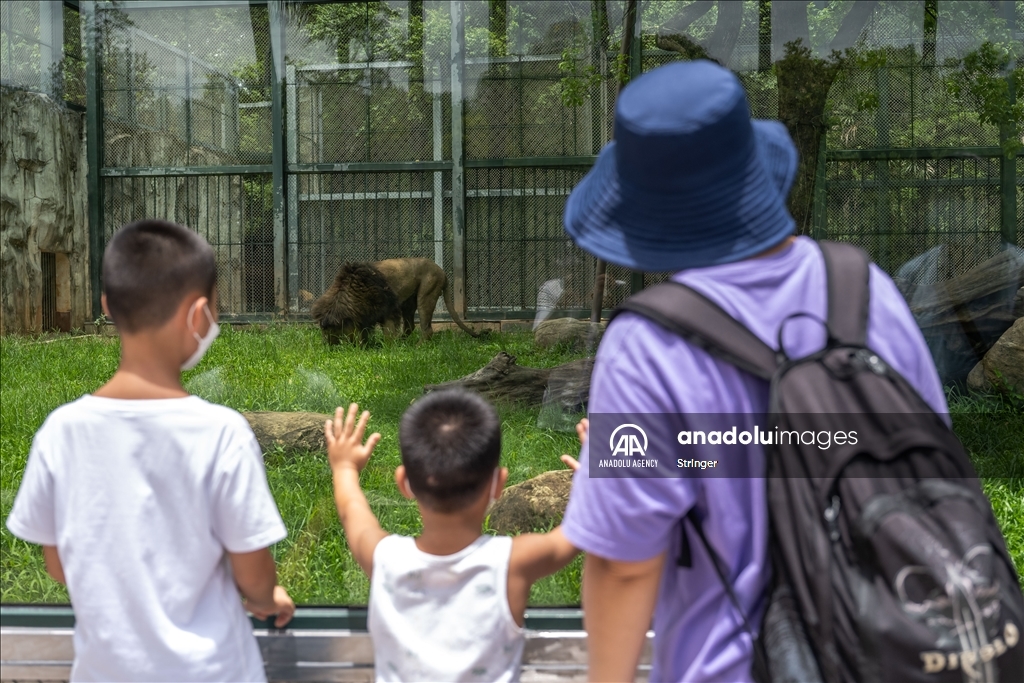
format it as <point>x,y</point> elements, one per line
<point>186,86</point>
<point>516,94</point>
<point>372,113</point>
<point>386,101</point>
<point>234,213</point>
<point>41,48</point>
<point>189,86</point>
<point>900,209</point>
<point>908,164</point>
<point>905,97</point>
<point>370,217</point>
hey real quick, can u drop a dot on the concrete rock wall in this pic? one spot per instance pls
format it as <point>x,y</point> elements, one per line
<point>43,207</point>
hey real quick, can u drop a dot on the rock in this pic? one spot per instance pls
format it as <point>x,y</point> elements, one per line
<point>1003,366</point>
<point>566,331</point>
<point>502,380</point>
<point>44,208</point>
<point>962,318</point>
<point>534,505</point>
<point>290,431</point>
<point>976,380</point>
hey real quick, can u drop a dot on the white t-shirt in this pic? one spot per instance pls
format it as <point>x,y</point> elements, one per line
<point>143,499</point>
<point>443,617</point>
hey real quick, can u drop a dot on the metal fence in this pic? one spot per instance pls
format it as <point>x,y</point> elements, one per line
<point>41,48</point>
<point>298,135</point>
<point>908,169</point>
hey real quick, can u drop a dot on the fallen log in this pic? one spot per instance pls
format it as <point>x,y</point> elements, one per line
<point>502,380</point>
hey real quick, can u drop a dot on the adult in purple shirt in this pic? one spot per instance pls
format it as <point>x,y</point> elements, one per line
<point>691,184</point>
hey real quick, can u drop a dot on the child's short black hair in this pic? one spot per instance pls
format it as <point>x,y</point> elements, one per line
<point>149,266</point>
<point>450,442</point>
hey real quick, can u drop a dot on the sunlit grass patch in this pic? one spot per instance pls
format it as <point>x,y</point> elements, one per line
<point>287,367</point>
<point>283,368</point>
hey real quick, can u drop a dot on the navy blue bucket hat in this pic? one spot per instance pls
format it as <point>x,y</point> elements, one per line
<point>689,180</point>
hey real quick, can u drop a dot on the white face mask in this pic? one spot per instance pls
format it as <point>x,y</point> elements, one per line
<point>204,342</point>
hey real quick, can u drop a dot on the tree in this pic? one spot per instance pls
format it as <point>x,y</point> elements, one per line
<point>804,80</point>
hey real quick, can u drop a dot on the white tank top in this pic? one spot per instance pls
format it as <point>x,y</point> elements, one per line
<point>443,617</point>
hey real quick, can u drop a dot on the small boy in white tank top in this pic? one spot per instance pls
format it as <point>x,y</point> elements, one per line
<point>449,604</point>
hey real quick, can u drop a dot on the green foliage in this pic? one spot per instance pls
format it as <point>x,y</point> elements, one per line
<point>578,78</point>
<point>289,368</point>
<point>984,82</point>
<point>990,428</point>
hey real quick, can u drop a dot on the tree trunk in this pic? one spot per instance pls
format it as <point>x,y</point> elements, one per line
<point>804,82</point>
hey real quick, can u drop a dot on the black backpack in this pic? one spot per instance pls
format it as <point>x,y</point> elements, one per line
<point>887,562</point>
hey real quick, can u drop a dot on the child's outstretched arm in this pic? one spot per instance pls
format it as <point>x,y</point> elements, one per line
<point>535,556</point>
<point>348,455</point>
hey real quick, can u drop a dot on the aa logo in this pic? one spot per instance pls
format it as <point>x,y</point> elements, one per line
<point>628,442</point>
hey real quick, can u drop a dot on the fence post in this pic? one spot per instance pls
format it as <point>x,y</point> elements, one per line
<point>630,29</point>
<point>883,218</point>
<point>51,46</point>
<point>292,200</point>
<point>438,195</point>
<point>94,150</point>
<point>275,16</point>
<point>1008,162</point>
<point>188,104</point>
<point>636,67</point>
<point>819,208</point>
<point>458,57</point>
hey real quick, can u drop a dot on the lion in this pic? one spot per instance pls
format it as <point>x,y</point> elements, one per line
<point>417,283</point>
<point>359,299</point>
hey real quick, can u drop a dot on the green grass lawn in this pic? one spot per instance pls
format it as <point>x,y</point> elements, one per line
<point>288,368</point>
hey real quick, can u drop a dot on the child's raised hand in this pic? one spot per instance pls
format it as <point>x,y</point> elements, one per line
<point>345,439</point>
<point>582,427</point>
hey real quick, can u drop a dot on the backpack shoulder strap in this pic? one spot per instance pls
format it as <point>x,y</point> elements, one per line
<point>703,323</point>
<point>759,668</point>
<point>847,273</point>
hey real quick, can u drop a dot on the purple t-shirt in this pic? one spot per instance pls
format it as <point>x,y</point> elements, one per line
<point>642,368</point>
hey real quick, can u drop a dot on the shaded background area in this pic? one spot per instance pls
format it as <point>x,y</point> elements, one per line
<point>297,135</point>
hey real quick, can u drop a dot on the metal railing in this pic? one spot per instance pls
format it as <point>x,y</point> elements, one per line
<point>320,644</point>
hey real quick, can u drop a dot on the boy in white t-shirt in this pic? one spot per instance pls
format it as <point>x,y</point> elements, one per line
<point>449,604</point>
<point>150,504</point>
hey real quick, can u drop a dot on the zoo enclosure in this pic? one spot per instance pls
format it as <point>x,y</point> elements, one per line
<point>295,136</point>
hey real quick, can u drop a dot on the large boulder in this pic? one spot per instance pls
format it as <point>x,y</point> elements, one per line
<point>1002,367</point>
<point>962,318</point>
<point>289,431</point>
<point>575,334</point>
<point>535,504</point>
